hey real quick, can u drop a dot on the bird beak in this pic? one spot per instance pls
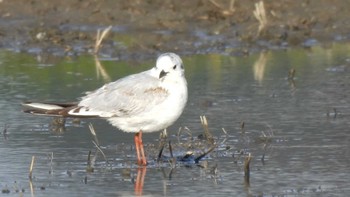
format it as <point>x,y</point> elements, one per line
<point>162,74</point>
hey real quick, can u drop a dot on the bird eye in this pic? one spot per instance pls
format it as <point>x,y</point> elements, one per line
<point>174,67</point>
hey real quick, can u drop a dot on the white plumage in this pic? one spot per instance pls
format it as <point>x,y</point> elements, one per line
<point>149,101</point>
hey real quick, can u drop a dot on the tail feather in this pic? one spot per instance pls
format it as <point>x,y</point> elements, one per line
<point>64,110</point>
<point>53,109</point>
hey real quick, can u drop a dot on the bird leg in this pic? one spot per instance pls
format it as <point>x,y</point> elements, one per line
<point>137,147</point>
<point>141,158</point>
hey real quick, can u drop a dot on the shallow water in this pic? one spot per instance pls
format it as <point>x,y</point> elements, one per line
<point>297,130</point>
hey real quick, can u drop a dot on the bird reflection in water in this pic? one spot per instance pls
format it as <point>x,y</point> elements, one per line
<point>140,179</point>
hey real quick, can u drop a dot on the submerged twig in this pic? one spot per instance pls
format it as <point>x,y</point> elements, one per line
<point>263,155</point>
<point>4,132</point>
<point>224,130</point>
<point>96,142</point>
<point>51,164</point>
<point>31,167</point>
<point>197,159</point>
<point>247,168</point>
<point>172,158</point>
<point>171,150</point>
<point>208,136</point>
<point>291,74</point>
<point>89,167</point>
<point>242,126</point>
<point>335,113</point>
<point>160,154</point>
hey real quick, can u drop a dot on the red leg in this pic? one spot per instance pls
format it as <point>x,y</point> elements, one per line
<point>140,179</point>
<point>141,158</point>
<point>137,147</point>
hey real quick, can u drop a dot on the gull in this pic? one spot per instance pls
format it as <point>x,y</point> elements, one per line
<point>145,102</point>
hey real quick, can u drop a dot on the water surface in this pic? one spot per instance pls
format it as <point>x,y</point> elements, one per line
<point>296,129</point>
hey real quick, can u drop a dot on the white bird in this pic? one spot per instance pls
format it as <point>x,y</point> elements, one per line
<point>144,102</point>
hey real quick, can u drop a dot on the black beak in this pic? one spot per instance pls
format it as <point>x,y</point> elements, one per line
<point>162,74</point>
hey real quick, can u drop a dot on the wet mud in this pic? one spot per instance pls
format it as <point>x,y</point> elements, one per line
<point>144,28</point>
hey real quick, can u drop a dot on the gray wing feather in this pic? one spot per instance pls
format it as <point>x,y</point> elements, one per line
<point>131,95</point>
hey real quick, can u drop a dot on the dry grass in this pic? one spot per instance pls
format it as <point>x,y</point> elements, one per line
<point>189,155</point>
<point>223,8</point>
<point>205,141</point>
<point>260,15</point>
<point>90,165</point>
<point>96,142</point>
<point>31,188</point>
<point>31,168</point>
<point>247,168</point>
<point>99,38</point>
<point>98,44</point>
<point>208,136</point>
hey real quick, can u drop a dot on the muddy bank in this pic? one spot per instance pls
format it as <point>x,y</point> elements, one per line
<point>142,28</point>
